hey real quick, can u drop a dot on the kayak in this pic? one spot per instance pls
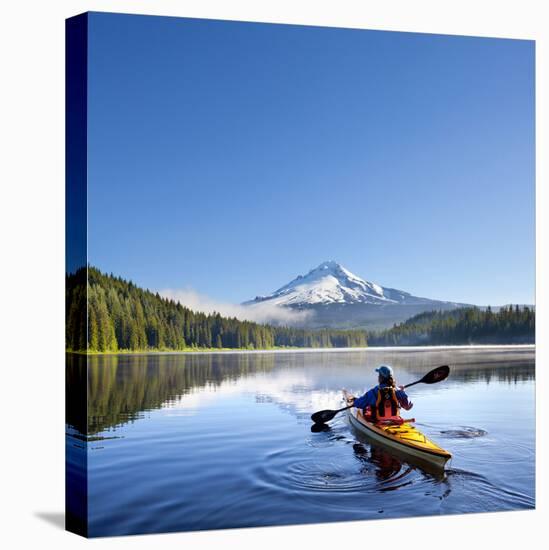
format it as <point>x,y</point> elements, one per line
<point>401,437</point>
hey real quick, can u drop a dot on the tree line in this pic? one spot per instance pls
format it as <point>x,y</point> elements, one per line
<point>121,316</point>
<point>470,325</point>
<point>105,313</point>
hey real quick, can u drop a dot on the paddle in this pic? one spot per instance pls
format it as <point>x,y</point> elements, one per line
<point>432,377</point>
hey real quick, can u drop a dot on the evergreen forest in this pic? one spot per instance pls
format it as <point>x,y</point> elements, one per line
<point>121,316</point>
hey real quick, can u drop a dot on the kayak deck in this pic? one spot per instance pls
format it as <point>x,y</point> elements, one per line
<point>404,437</point>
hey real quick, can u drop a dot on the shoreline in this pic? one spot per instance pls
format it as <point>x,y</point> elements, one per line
<point>495,347</point>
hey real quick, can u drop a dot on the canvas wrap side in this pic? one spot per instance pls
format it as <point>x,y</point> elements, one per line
<point>76,83</point>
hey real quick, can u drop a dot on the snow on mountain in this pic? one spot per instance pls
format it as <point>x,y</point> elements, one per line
<point>333,297</point>
<point>331,283</point>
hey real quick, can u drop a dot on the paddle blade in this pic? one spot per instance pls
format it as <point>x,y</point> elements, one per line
<point>317,428</point>
<point>436,375</point>
<point>321,417</point>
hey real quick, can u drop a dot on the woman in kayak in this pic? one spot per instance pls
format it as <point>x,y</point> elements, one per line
<point>384,401</point>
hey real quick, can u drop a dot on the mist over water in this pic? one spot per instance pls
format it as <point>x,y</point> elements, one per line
<point>204,441</point>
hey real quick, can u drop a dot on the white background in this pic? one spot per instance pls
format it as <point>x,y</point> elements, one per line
<point>32,269</point>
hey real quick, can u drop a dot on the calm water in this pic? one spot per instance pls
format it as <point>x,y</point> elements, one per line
<point>209,441</point>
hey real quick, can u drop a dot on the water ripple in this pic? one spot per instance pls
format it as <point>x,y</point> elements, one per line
<point>463,432</point>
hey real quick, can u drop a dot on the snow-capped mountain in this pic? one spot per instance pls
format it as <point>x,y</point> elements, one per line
<point>340,298</point>
<point>331,283</point>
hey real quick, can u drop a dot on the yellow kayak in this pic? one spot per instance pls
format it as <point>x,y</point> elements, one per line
<point>402,437</point>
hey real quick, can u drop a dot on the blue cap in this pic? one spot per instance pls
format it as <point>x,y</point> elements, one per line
<point>385,371</point>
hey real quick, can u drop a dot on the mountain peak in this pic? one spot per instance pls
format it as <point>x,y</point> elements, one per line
<point>325,268</point>
<point>328,283</point>
<point>328,264</point>
<point>339,298</point>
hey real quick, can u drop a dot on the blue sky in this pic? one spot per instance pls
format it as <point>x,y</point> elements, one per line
<point>229,157</point>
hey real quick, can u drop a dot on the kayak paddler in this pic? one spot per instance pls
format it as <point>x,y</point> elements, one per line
<point>384,401</point>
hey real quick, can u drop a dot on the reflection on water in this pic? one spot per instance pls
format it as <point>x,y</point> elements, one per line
<point>122,387</point>
<point>202,441</point>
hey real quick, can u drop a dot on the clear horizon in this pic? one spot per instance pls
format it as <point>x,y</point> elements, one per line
<point>229,157</point>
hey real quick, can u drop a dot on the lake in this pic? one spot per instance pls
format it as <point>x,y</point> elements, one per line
<point>177,442</point>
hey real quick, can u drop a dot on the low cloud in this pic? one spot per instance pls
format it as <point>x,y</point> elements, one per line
<point>262,312</point>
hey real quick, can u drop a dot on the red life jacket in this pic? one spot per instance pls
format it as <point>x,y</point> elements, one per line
<point>387,405</point>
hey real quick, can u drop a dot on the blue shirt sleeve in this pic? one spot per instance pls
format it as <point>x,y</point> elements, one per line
<point>403,399</point>
<point>368,399</point>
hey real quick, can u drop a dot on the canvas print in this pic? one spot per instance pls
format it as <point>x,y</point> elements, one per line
<point>300,274</point>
